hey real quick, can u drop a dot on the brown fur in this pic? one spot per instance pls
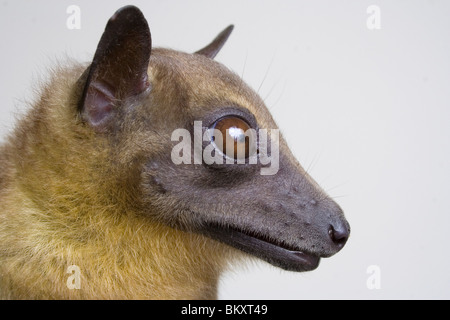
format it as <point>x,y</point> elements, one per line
<point>65,199</point>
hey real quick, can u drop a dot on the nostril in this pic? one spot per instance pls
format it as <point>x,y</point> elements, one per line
<point>339,235</point>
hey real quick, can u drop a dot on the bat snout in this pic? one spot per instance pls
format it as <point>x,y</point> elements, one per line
<point>339,233</point>
<point>331,228</point>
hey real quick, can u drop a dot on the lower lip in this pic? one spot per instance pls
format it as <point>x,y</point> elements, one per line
<point>291,260</point>
<point>309,261</point>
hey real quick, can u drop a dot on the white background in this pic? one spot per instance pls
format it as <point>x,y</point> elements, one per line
<point>367,111</point>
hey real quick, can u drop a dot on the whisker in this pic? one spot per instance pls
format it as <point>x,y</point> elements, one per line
<point>267,72</point>
<point>314,161</point>
<point>339,196</point>
<point>271,107</point>
<point>243,71</point>
<point>336,186</point>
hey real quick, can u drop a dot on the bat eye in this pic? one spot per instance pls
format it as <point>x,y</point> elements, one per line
<point>238,142</point>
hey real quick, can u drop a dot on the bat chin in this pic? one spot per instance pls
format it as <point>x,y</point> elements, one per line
<point>278,254</point>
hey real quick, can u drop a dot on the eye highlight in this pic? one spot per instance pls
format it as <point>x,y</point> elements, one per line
<point>237,137</point>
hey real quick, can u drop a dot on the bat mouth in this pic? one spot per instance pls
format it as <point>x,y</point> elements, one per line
<point>273,251</point>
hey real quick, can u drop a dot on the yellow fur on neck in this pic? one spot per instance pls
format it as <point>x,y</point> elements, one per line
<point>124,258</point>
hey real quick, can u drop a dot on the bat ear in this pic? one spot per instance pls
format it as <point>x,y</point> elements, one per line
<point>212,49</point>
<point>118,70</point>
